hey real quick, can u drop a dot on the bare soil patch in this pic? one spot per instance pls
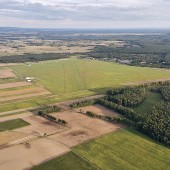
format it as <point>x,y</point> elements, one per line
<point>16,84</point>
<point>100,110</point>
<point>39,126</point>
<point>6,73</point>
<point>9,136</point>
<point>83,128</point>
<point>25,156</point>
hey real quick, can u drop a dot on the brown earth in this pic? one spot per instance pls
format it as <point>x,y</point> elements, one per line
<point>6,73</point>
<point>16,84</point>
<point>25,156</point>
<point>83,128</point>
<point>98,109</point>
<point>9,136</point>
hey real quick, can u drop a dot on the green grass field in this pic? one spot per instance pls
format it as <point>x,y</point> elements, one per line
<point>65,76</point>
<point>125,150</point>
<point>69,161</point>
<point>12,124</point>
<point>146,106</point>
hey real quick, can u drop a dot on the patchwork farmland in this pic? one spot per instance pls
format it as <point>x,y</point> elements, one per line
<point>60,83</point>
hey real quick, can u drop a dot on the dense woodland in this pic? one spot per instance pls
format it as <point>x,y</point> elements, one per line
<point>157,123</point>
<point>165,90</point>
<point>33,57</point>
<point>128,96</point>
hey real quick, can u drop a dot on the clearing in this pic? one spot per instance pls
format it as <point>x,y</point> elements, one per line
<point>146,106</point>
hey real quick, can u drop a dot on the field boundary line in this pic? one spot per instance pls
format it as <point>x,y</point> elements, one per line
<point>85,159</point>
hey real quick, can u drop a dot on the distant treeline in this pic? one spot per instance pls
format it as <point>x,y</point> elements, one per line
<point>143,56</point>
<point>33,57</point>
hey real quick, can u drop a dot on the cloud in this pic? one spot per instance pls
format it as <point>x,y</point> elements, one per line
<point>87,10</point>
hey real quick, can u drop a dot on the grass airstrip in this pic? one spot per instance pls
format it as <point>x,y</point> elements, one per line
<point>72,75</point>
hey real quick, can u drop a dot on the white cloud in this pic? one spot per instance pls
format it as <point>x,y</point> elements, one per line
<point>93,12</point>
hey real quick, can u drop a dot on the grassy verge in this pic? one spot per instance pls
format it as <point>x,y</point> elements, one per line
<point>13,124</point>
<point>69,161</point>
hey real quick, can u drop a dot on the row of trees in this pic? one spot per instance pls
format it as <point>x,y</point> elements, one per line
<point>127,96</point>
<point>109,118</point>
<point>51,118</point>
<point>82,103</point>
<point>33,57</point>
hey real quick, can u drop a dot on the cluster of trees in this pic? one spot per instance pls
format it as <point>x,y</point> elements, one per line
<point>142,55</point>
<point>82,103</point>
<point>33,57</point>
<point>51,118</point>
<point>127,96</point>
<point>165,91</point>
<point>157,123</point>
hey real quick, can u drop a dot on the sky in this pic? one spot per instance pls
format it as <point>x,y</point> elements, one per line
<point>85,13</point>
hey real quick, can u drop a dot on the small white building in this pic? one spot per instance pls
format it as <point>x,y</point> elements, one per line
<point>29,79</point>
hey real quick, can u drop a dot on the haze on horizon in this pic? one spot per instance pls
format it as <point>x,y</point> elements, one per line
<point>85,14</point>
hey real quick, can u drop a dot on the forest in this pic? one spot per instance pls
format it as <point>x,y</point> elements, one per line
<point>128,96</point>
